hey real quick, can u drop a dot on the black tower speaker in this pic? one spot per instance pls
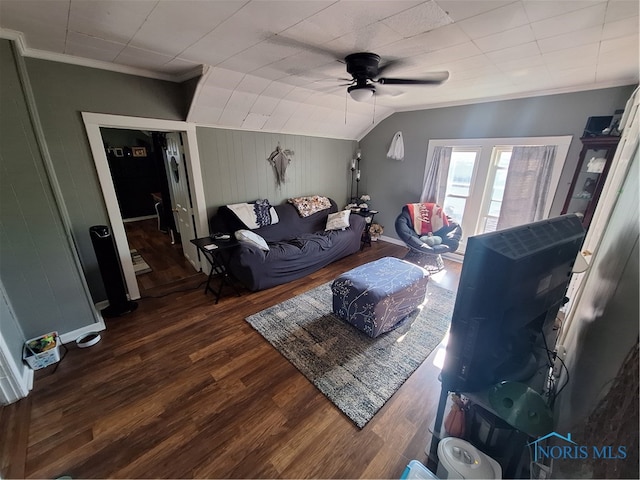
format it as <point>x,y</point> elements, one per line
<point>109,265</point>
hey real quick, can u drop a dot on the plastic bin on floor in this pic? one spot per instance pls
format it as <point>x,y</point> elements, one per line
<point>415,469</point>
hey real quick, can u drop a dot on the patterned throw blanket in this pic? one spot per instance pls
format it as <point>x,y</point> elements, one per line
<point>309,205</point>
<point>255,215</point>
<point>427,217</point>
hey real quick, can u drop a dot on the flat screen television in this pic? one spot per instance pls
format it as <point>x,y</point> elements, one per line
<point>513,283</point>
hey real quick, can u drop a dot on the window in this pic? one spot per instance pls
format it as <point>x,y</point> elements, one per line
<point>477,178</point>
<point>459,181</point>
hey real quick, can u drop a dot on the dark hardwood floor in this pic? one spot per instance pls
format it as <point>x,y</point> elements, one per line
<point>167,261</point>
<point>185,388</point>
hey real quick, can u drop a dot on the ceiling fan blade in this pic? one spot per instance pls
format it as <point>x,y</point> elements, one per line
<point>435,78</point>
<point>389,64</point>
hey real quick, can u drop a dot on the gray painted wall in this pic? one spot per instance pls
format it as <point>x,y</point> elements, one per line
<point>392,184</point>
<point>235,167</point>
<point>37,268</point>
<point>62,92</point>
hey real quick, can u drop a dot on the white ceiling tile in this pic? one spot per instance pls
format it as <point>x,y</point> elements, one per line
<point>253,84</point>
<point>508,38</point>
<point>205,115</point>
<point>495,21</point>
<point>620,28</point>
<point>28,16</point>
<point>419,19</point>
<point>434,40</point>
<point>620,46</point>
<point>347,16</point>
<point>275,123</point>
<point>254,121</point>
<point>116,20</point>
<point>539,10</point>
<point>461,9</point>
<point>232,118</point>
<point>241,101</point>
<point>570,22</point>
<point>278,90</point>
<point>617,71</point>
<point>576,76</point>
<point>449,54</point>
<point>137,57</point>
<point>257,56</point>
<point>252,24</point>
<point>173,26</point>
<point>469,71</point>
<point>214,96</point>
<point>573,39</point>
<point>264,105</point>
<point>299,94</point>
<point>572,57</point>
<point>90,47</point>
<point>621,9</point>
<point>308,64</point>
<point>525,63</point>
<point>513,53</point>
<point>224,78</point>
<point>366,39</point>
<point>44,23</point>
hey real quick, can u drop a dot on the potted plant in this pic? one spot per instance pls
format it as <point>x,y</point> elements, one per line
<point>375,231</point>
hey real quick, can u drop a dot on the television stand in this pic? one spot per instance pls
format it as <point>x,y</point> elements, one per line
<point>487,430</point>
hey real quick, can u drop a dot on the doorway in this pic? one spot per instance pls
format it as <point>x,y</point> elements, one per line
<point>190,165</point>
<point>154,203</point>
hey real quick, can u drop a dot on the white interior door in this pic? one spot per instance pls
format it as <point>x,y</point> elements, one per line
<point>181,204</point>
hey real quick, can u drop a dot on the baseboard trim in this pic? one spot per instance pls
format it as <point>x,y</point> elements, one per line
<point>395,241</point>
<point>15,383</point>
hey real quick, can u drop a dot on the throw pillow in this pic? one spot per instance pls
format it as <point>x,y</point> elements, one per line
<point>338,220</point>
<point>253,238</point>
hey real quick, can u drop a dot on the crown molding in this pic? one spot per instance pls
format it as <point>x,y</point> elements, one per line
<point>25,51</point>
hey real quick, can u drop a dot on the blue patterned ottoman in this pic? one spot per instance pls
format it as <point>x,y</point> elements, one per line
<point>376,296</point>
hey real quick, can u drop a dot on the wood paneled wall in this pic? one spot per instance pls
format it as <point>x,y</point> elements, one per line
<point>235,167</point>
<point>37,267</point>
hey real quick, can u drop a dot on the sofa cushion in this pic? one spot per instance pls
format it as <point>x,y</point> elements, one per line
<point>307,206</point>
<point>252,238</point>
<point>338,220</point>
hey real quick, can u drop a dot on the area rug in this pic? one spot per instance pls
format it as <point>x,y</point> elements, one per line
<point>357,373</point>
<point>139,264</point>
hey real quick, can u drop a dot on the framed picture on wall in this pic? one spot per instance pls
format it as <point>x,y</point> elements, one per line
<point>139,151</point>
<point>117,152</point>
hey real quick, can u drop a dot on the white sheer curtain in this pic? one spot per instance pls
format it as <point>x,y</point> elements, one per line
<point>527,185</point>
<point>435,181</point>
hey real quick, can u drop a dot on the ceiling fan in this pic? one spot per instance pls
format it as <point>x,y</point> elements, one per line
<point>365,70</point>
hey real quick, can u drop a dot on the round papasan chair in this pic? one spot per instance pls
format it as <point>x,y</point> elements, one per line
<point>428,232</point>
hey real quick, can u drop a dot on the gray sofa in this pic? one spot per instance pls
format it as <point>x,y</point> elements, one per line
<point>297,246</point>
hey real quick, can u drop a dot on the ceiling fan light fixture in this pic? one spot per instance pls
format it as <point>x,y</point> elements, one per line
<point>361,93</point>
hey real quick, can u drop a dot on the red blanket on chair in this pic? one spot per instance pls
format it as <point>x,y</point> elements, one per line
<point>427,217</point>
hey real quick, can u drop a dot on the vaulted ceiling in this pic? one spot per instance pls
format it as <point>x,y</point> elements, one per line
<point>272,65</point>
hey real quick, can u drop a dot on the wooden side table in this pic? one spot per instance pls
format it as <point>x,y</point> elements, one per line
<point>368,215</point>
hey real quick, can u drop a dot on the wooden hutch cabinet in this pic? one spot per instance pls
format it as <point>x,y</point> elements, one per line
<point>591,172</point>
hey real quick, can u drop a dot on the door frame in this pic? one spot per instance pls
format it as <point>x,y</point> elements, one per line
<point>93,122</point>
